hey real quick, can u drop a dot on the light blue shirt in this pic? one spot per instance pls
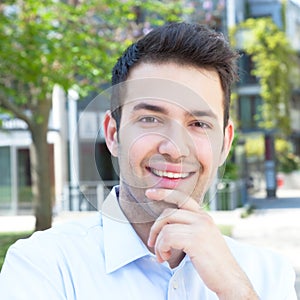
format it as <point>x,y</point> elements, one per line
<point>102,257</point>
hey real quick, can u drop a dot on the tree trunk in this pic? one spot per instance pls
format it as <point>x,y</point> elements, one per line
<point>41,181</point>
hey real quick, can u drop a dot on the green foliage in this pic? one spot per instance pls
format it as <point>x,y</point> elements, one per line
<point>50,42</point>
<point>247,211</point>
<point>7,239</point>
<point>44,43</point>
<point>226,229</point>
<point>283,146</point>
<point>274,62</point>
<point>231,171</point>
<point>231,168</point>
<point>255,147</point>
<point>288,163</point>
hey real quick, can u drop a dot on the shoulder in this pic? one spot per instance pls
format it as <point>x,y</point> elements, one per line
<point>267,270</point>
<point>57,248</point>
<point>54,259</point>
<point>78,227</point>
<point>62,237</point>
<point>253,256</point>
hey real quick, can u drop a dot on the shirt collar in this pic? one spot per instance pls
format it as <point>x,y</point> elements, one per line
<point>122,245</point>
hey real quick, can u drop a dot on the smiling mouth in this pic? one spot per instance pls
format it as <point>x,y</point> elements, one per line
<point>170,175</point>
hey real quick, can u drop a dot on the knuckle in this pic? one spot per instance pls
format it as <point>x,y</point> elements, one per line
<point>165,235</point>
<point>168,212</point>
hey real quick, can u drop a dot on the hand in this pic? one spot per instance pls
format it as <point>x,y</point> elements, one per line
<point>191,230</point>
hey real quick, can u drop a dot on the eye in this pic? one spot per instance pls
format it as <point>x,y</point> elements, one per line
<point>148,119</point>
<point>200,124</point>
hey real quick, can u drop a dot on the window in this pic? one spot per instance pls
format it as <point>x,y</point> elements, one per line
<point>246,66</point>
<point>24,179</point>
<point>5,178</point>
<point>249,112</point>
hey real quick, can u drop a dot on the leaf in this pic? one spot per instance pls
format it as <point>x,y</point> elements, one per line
<point>273,58</point>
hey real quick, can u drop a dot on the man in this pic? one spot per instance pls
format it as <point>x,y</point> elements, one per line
<point>169,127</point>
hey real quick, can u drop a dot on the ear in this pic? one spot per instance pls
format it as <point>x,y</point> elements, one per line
<point>228,138</point>
<point>110,133</point>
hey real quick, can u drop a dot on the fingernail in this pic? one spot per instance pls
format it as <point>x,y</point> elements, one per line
<point>149,242</point>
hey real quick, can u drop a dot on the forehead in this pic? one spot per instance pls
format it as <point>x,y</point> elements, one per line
<point>190,88</point>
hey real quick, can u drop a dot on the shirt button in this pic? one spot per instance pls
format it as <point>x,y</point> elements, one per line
<point>175,285</point>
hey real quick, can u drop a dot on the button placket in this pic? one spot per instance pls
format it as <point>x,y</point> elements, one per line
<point>176,287</point>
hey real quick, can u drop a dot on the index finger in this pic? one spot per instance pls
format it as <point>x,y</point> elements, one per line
<point>175,197</point>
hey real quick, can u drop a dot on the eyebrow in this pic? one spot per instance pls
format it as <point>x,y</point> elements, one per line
<point>151,107</point>
<point>203,113</point>
<point>156,108</point>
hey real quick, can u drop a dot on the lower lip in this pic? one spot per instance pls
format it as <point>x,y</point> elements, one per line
<point>168,183</point>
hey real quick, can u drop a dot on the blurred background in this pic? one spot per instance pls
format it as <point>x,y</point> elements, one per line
<point>56,56</point>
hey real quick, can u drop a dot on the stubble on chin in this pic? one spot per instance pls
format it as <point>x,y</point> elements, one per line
<point>137,207</point>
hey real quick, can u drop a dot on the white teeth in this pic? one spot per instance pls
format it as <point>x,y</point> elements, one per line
<point>169,174</point>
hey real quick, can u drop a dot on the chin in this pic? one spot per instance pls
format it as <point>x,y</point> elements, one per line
<point>155,209</point>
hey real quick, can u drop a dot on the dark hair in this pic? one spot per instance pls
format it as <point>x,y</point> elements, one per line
<point>186,44</point>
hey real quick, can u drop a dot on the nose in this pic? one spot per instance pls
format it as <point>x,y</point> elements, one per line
<point>175,142</point>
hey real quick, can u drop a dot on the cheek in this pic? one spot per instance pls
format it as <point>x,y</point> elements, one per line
<point>134,149</point>
<point>134,156</point>
<point>209,150</point>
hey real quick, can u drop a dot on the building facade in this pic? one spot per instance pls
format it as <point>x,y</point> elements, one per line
<point>286,17</point>
<point>285,14</point>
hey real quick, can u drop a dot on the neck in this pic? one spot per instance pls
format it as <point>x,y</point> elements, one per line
<point>142,221</point>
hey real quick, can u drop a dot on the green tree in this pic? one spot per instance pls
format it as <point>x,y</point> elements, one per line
<point>73,44</point>
<point>274,62</point>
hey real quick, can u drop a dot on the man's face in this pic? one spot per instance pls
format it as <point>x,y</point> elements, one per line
<point>171,132</point>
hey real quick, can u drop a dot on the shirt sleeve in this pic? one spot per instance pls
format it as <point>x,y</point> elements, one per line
<point>279,279</point>
<point>289,277</point>
<point>270,273</point>
<point>28,273</point>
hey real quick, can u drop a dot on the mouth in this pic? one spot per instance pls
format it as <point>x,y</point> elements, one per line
<point>168,174</point>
